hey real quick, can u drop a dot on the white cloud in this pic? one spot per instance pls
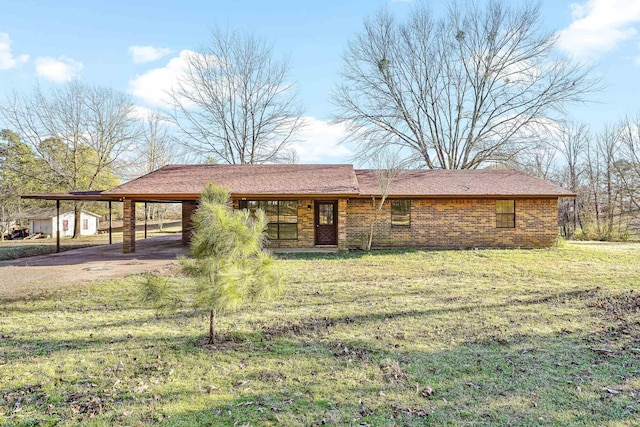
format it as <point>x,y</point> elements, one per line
<point>142,54</point>
<point>138,112</point>
<point>154,86</point>
<point>319,142</point>
<point>600,26</point>
<point>58,70</point>
<point>141,113</point>
<point>7,59</point>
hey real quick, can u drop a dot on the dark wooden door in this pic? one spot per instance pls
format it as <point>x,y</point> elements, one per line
<point>326,223</point>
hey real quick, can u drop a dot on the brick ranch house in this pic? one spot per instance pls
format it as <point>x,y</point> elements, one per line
<point>332,205</point>
<point>311,206</point>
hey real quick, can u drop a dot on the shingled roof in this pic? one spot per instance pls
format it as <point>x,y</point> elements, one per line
<point>460,183</point>
<point>188,181</point>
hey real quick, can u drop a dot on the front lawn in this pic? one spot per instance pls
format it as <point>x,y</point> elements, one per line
<point>488,337</point>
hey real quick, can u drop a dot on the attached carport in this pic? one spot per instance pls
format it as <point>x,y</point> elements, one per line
<point>129,216</point>
<point>129,212</point>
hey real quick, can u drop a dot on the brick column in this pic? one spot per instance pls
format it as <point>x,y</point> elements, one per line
<point>188,209</point>
<point>342,224</point>
<point>129,227</point>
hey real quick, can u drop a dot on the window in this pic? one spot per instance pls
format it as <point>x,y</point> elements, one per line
<point>282,217</point>
<point>65,225</point>
<point>505,213</point>
<point>401,213</point>
<point>325,214</point>
<point>85,224</point>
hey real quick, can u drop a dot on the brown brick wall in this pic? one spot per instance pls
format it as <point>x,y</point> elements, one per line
<point>188,209</point>
<point>342,224</point>
<point>435,223</point>
<point>129,227</point>
<point>464,223</point>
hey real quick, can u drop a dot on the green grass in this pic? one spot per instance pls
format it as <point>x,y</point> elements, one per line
<point>490,337</point>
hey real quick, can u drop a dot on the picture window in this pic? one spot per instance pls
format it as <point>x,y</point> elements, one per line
<point>282,217</point>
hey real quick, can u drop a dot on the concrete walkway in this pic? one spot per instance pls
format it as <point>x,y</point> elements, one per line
<point>32,274</point>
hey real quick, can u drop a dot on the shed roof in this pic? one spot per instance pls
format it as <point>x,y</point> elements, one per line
<point>188,181</point>
<point>461,183</point>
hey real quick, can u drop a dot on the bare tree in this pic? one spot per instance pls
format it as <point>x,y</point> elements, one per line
<point>630,137</point>
<point>541,161</point>
<point>459,91</point>
<point>608,145</point>
<point>573,139</point>
<point>387,166</point>
<point>235,103</point>
<point>79,131</point>
<point>156,148</point>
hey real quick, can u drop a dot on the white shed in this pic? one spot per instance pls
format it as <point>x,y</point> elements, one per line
<point>46,222</point>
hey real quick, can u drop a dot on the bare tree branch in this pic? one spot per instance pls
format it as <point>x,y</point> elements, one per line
<point>459,91</point>
<point>79,131</point>
<point>235,104</point>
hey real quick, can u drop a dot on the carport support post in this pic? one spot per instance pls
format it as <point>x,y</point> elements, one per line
<point>129,226</point>
<point>58,227</point>
<point>110,225</point>
<point>188,209</point>
<point>146,212</point>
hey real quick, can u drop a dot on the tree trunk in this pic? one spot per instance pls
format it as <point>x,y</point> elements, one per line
<point>212,326</point>
<point>373,222</point>
<point>77,220</point>
<point>376,209</point>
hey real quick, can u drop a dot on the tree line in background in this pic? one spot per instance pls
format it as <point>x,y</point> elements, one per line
<point>480,86</point>
<point>74,137</point>
<point>603,169</point>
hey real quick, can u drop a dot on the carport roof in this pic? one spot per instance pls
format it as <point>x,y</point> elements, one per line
<point>88,196</point>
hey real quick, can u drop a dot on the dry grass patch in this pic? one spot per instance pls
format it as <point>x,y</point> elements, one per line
<point>537,337</point>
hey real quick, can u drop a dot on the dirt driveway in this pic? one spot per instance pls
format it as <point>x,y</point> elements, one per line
<point>78,266</point>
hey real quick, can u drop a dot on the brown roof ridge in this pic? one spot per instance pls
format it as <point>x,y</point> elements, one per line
<point>254,165</point>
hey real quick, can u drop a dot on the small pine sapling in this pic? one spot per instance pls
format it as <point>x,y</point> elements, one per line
<point>229,259</point>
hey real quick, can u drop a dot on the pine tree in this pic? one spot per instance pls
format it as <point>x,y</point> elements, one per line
<point>230,262</point>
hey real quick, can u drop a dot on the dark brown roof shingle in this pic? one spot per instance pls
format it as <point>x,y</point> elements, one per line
<point>190,180</point>
<point>186,182</point>
<point>460,183</point>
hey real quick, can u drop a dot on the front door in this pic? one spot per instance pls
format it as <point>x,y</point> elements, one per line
<point>326,223</point>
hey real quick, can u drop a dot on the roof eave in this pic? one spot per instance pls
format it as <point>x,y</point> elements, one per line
<point>470,196</point>
<point>196,196</point>
<point>98,197</point>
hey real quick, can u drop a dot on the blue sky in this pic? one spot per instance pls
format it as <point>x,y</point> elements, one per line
<point>135,46</point>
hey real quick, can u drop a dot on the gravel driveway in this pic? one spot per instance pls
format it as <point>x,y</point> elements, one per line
<point>29,275</point>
